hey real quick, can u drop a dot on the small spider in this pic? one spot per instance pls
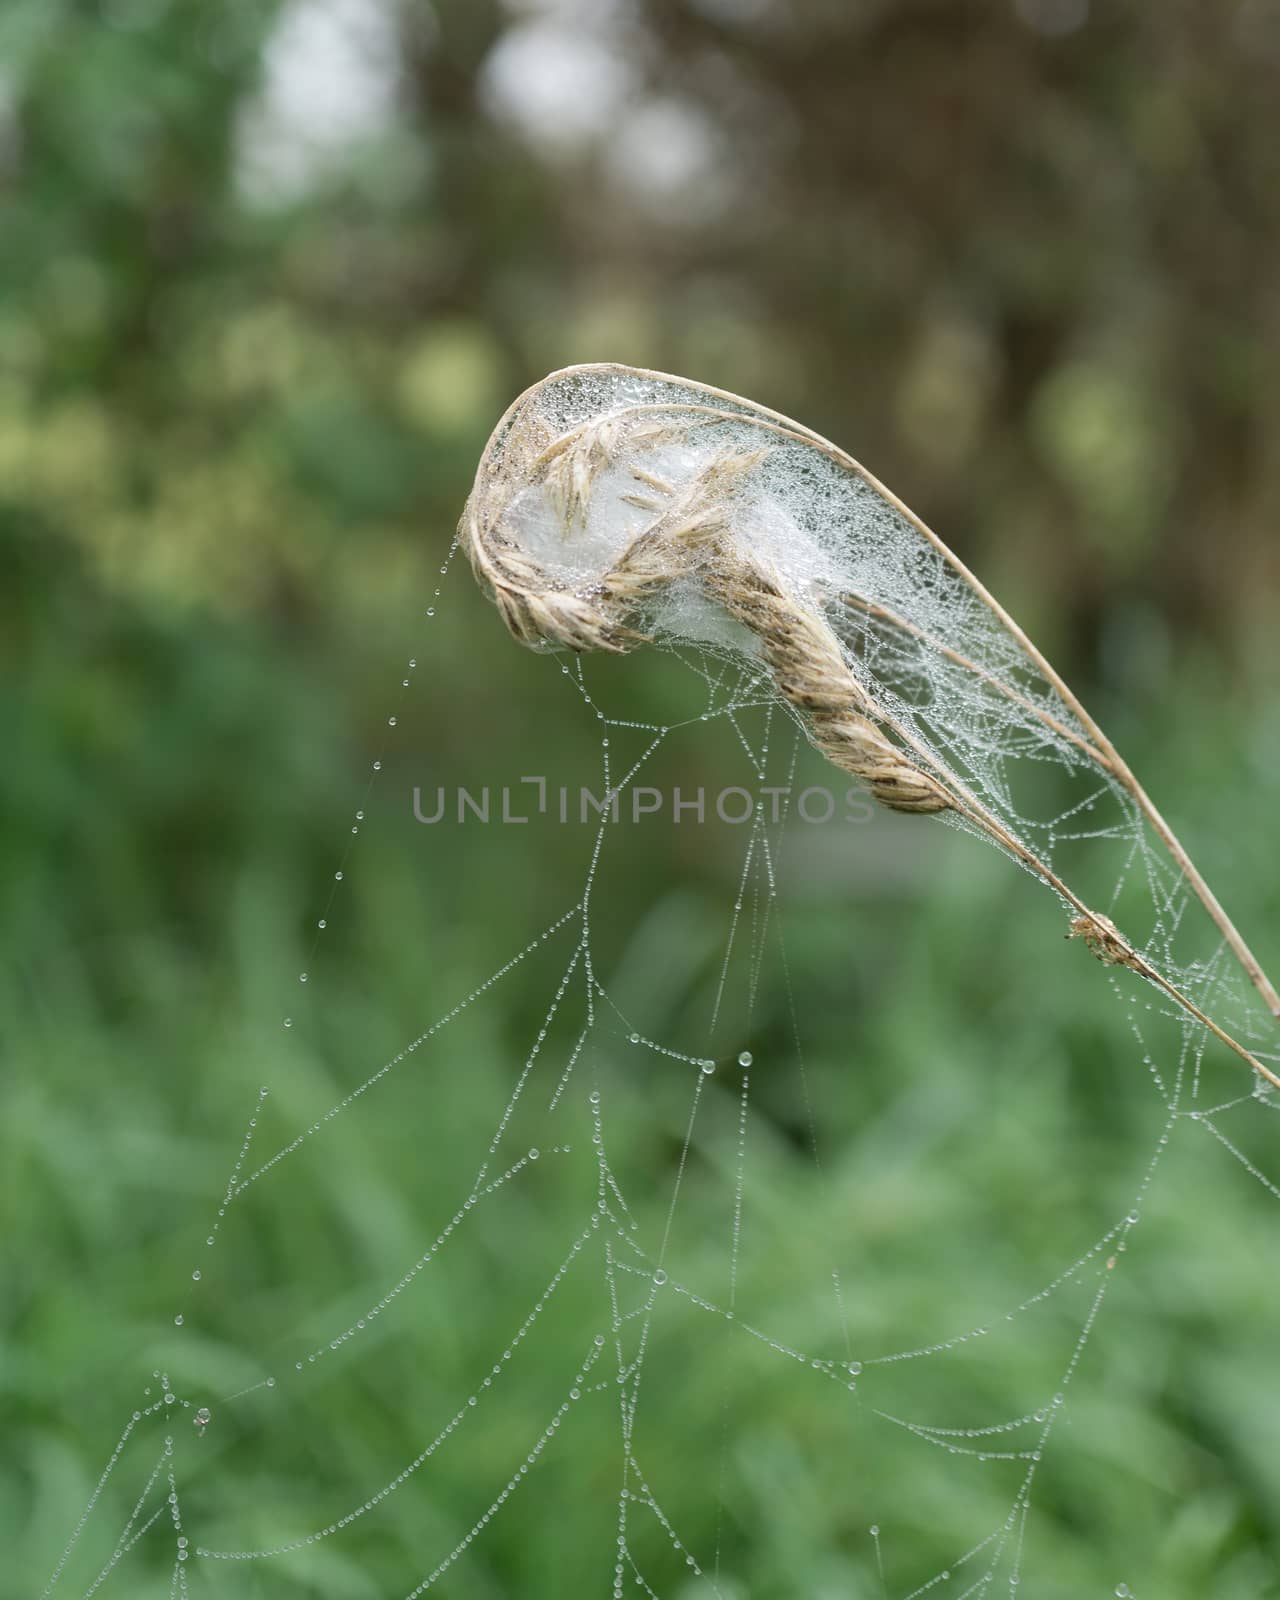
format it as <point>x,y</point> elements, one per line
<point>1104,939</point>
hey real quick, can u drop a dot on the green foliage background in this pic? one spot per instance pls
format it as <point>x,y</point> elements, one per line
<point>1022,261</point>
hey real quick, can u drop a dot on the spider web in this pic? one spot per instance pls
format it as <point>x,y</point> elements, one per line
<point>683,1326</point>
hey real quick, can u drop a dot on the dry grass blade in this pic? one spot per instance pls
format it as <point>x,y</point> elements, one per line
<point>646,498</point>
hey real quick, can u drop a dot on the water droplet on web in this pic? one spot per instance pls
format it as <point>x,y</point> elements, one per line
<point>377,766</point>
<point>302,977</point>
<point>746,1058</point>
<point>534,1154</point>
<point>337,877</point>
<point>708,1066</point>
<point>322,923</point>
<point>288,1022</point>
<point>635,1038</point>
<point>177,1321</point>
<point>195,1276</point>
<point>431,611</point>
<point>659,1277</point>
<point>1122,1591</point>
<point>855,1367</point>
<point>391,722</point>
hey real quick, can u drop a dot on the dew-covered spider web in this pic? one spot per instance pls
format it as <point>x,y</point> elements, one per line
<point>716,1214</point>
